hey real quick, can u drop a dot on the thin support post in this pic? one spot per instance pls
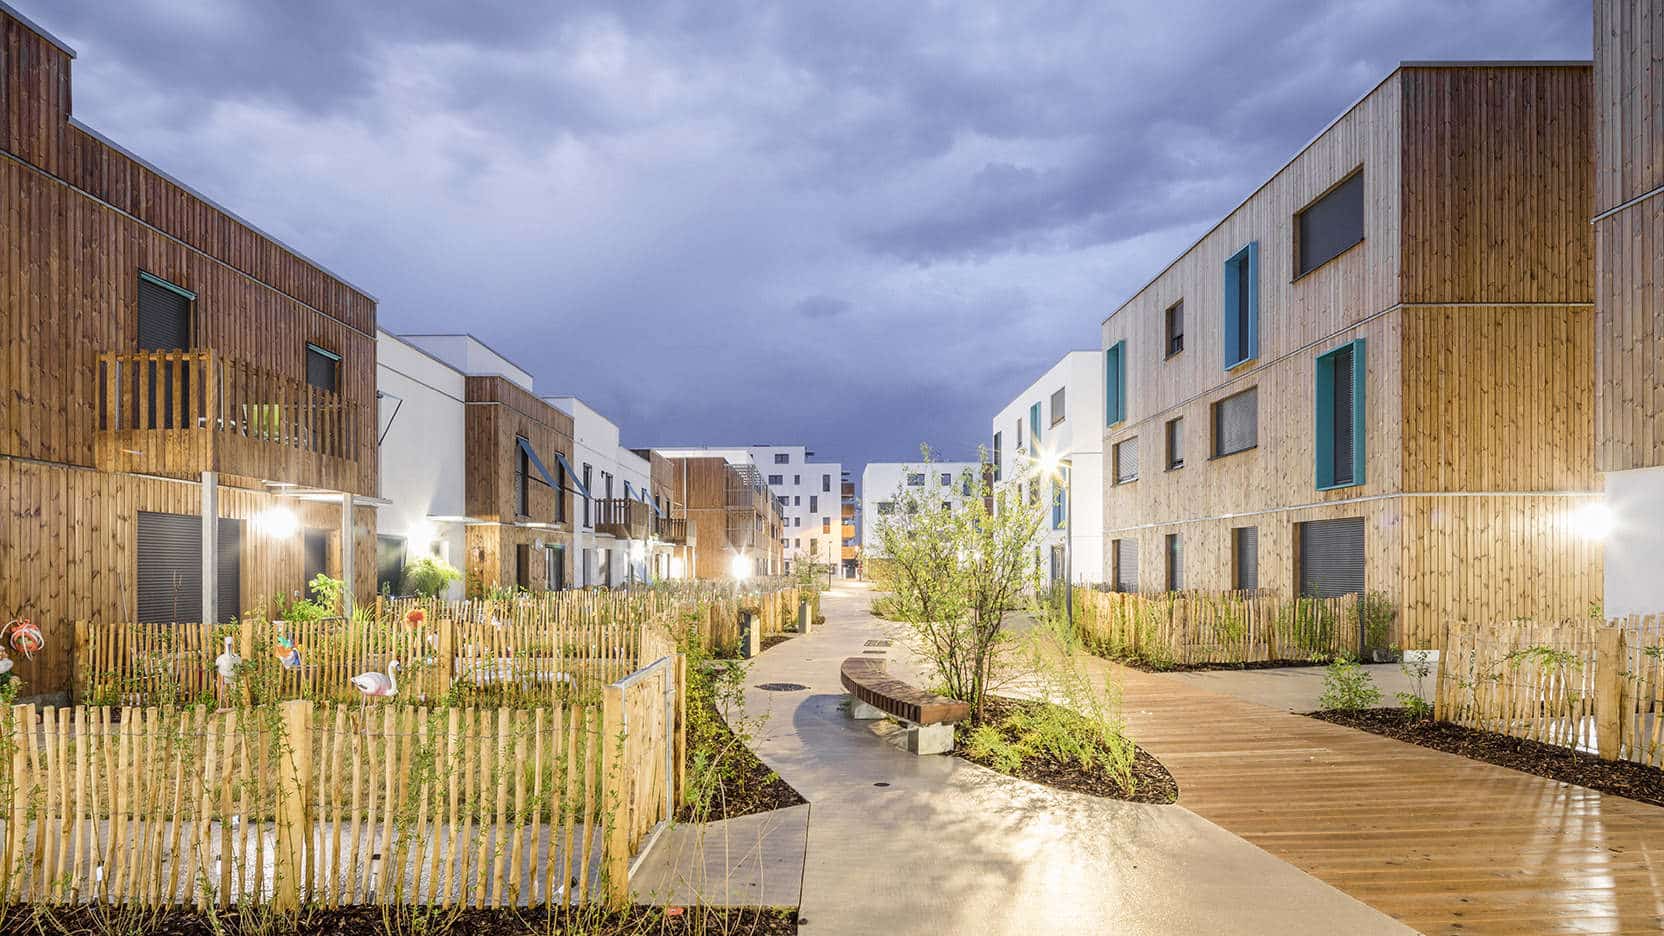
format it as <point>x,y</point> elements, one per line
<point>210,547</point>
<point>348,548</point>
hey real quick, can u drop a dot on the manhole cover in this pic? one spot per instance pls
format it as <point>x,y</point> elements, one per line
<point>781,687</point>
<point>876,643</point>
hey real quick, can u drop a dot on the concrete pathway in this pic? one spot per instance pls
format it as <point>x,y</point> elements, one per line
<point>900,844</point>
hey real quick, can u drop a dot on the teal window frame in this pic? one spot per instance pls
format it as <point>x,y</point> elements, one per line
<point>1324,415</point>
<point>1234,338</point>
<point>175,287</point>
<point>1115,384</point>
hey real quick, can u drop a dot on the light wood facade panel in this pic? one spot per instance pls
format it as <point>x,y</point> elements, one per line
<point>1472,291</point>
<point>1629,96</point>
<point>499,413</point>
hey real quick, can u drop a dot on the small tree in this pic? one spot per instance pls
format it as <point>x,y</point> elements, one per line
<point>953,571</point>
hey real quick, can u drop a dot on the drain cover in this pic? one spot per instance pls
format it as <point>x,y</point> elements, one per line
<point>781,687</point>
<point>872,651</point>
<point>876,643</point>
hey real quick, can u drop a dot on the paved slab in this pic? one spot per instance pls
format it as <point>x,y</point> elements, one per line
<point>1291,688</point>
<point>899,844</point>
<point>752,861</point>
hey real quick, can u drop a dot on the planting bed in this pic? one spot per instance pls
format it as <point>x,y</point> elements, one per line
<point>363,920</point>
<point>748,786</point>
<point>1620,778</point>
<point>1151,781</point>
<point>1147,667</point>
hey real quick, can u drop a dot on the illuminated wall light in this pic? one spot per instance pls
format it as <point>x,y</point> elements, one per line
<point>420,539</point>
<point>740,566</point>
<point>277,522</point>
<point>638,551</point>
<point>1593,521</point>
<point>678,567</point>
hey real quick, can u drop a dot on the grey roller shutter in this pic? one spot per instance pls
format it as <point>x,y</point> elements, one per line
<point>1175,562</point>
<point>1247,543</point>
<point>1236,423</point>
<point>170,568</point>
<point>1331,225</point>
<point>1342,376</point>
<point>1332,557</point>
<point>164,318</point>
<point>1126,460</point>
<point>1126,565</point>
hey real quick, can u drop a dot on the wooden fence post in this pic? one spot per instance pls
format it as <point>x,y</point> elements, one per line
<point>1610,660</point>
<point>447,655</point>
<point>17,824</point>
<point>615,807</point>
<point>681,728</point>
<point>294,778</point>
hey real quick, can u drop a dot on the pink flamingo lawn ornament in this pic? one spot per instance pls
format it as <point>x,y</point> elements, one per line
<point>378,685</point>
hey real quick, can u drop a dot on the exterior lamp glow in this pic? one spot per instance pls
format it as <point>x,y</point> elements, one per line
<point>740,567</point>
<point>277,522</point>
<point>1593,521</point>
<point>678,567</point>
<point>422,535</point>
<point>638,551</point>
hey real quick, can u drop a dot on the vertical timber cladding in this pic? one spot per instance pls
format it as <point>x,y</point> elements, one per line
<point>499,414</point>
<point>71,551</point>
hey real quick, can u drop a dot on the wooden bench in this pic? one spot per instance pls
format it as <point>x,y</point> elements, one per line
<point>874,693</point>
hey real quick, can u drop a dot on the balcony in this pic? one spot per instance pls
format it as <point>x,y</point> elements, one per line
<point>180,413</point>
<point>672,530</point>
<point>622,517</point>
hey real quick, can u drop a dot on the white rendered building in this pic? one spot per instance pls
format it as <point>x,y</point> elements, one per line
<point>883,482</point>
<point>421,425</point>
<point>811,495</point>
<point>1060,419</point>
<point>609,471</point>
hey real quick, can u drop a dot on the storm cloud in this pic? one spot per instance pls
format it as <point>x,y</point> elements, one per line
<point>859,226</point>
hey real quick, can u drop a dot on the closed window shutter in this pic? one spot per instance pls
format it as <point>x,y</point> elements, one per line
<point>169,567</point>
<point>322,369</point>
<point>1342,376</point>
<point>1126,565</point>
<point>1175,562</point>
<point>1332,557</point>
<point>230,561</point>
<point>1126,460</point>
<point>164,318</point>
<point>1247,558</point>
<point>1236,423</point>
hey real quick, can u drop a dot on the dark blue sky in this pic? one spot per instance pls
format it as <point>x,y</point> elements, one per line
<point>859,226</point>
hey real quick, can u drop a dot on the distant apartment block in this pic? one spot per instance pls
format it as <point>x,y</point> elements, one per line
<point>1058,421</point>
<point>1628,213</point>
<point>883,482</point>
<point>810,496</point>
<point>851,553</point>
<point>1378,371</point>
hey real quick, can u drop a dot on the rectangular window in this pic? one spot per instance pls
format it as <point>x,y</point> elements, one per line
<point>1245,558</point>
<point>826,524</point>
<point>164,315</point>
<point>560,488</point>
<point>814,503</point>
<point>1019,435</point>
<point>1236,423</point>
<point>776,479</point>
<point>1060,505</point>
<point>589,478</point>
<point>915,480</point>
<point>315,546</point>
<point>1330,557</point>
<point>1175,328</point>
<point>323,368</point>
<point>1242,306</point>
<point>782,458</point>
<point>797,479</point>
<point>1175,443</point>
<point>389,564</point>
<point>554,567</point>
<point>947,479</point>
<point>1034,425</point>
<point>1340,416</point>
<point>1325,229</point>
<point>522,477</point>
<point>1125,558</point>
<point>1115,384</point>
<point>1175,563</point>
<point>1057,405</point>
<point>996,456</point>
<point>523,565</point>
<point>169,560</point>
<point>1126,460</point>
<point>825,483</point>
<point>797,521</point>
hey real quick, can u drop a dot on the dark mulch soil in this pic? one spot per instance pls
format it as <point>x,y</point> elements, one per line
<point>1620,778</point>
<point>1147,667</point>
<point>361,921</point>
<point>751,786</point>
<point>775,640</point>
<point>1151,781</point>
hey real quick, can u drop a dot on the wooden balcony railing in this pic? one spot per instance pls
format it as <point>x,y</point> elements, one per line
<point>185,412</point>
<point>672,530</point>
<point>622,517</point>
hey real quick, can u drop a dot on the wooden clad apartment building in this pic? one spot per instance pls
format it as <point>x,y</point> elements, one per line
<point>1628,215</point>
<point>732,518</point>
<point>1377,373</point>
<point>161,361</point>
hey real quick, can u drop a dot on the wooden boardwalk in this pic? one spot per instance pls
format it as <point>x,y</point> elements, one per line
<point>1443,843</point>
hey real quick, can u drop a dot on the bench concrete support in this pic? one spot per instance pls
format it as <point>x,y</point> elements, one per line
<point>930,739</point>
<point>861,711</point>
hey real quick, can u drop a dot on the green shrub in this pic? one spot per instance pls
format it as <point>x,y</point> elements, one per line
<point>429,576</point>
<point>989,743</point>
<point>1347,687</point>
<point>1417,668</point>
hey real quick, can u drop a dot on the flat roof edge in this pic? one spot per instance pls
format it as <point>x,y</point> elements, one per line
<point>37,28</point>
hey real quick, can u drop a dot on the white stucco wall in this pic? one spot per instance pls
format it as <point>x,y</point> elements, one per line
<point>1079,437</point>
<point>880,482</point>
<point>422,425</point>
<point>1633,549</point>
<point>813,499</point>
<point>595,442</point>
